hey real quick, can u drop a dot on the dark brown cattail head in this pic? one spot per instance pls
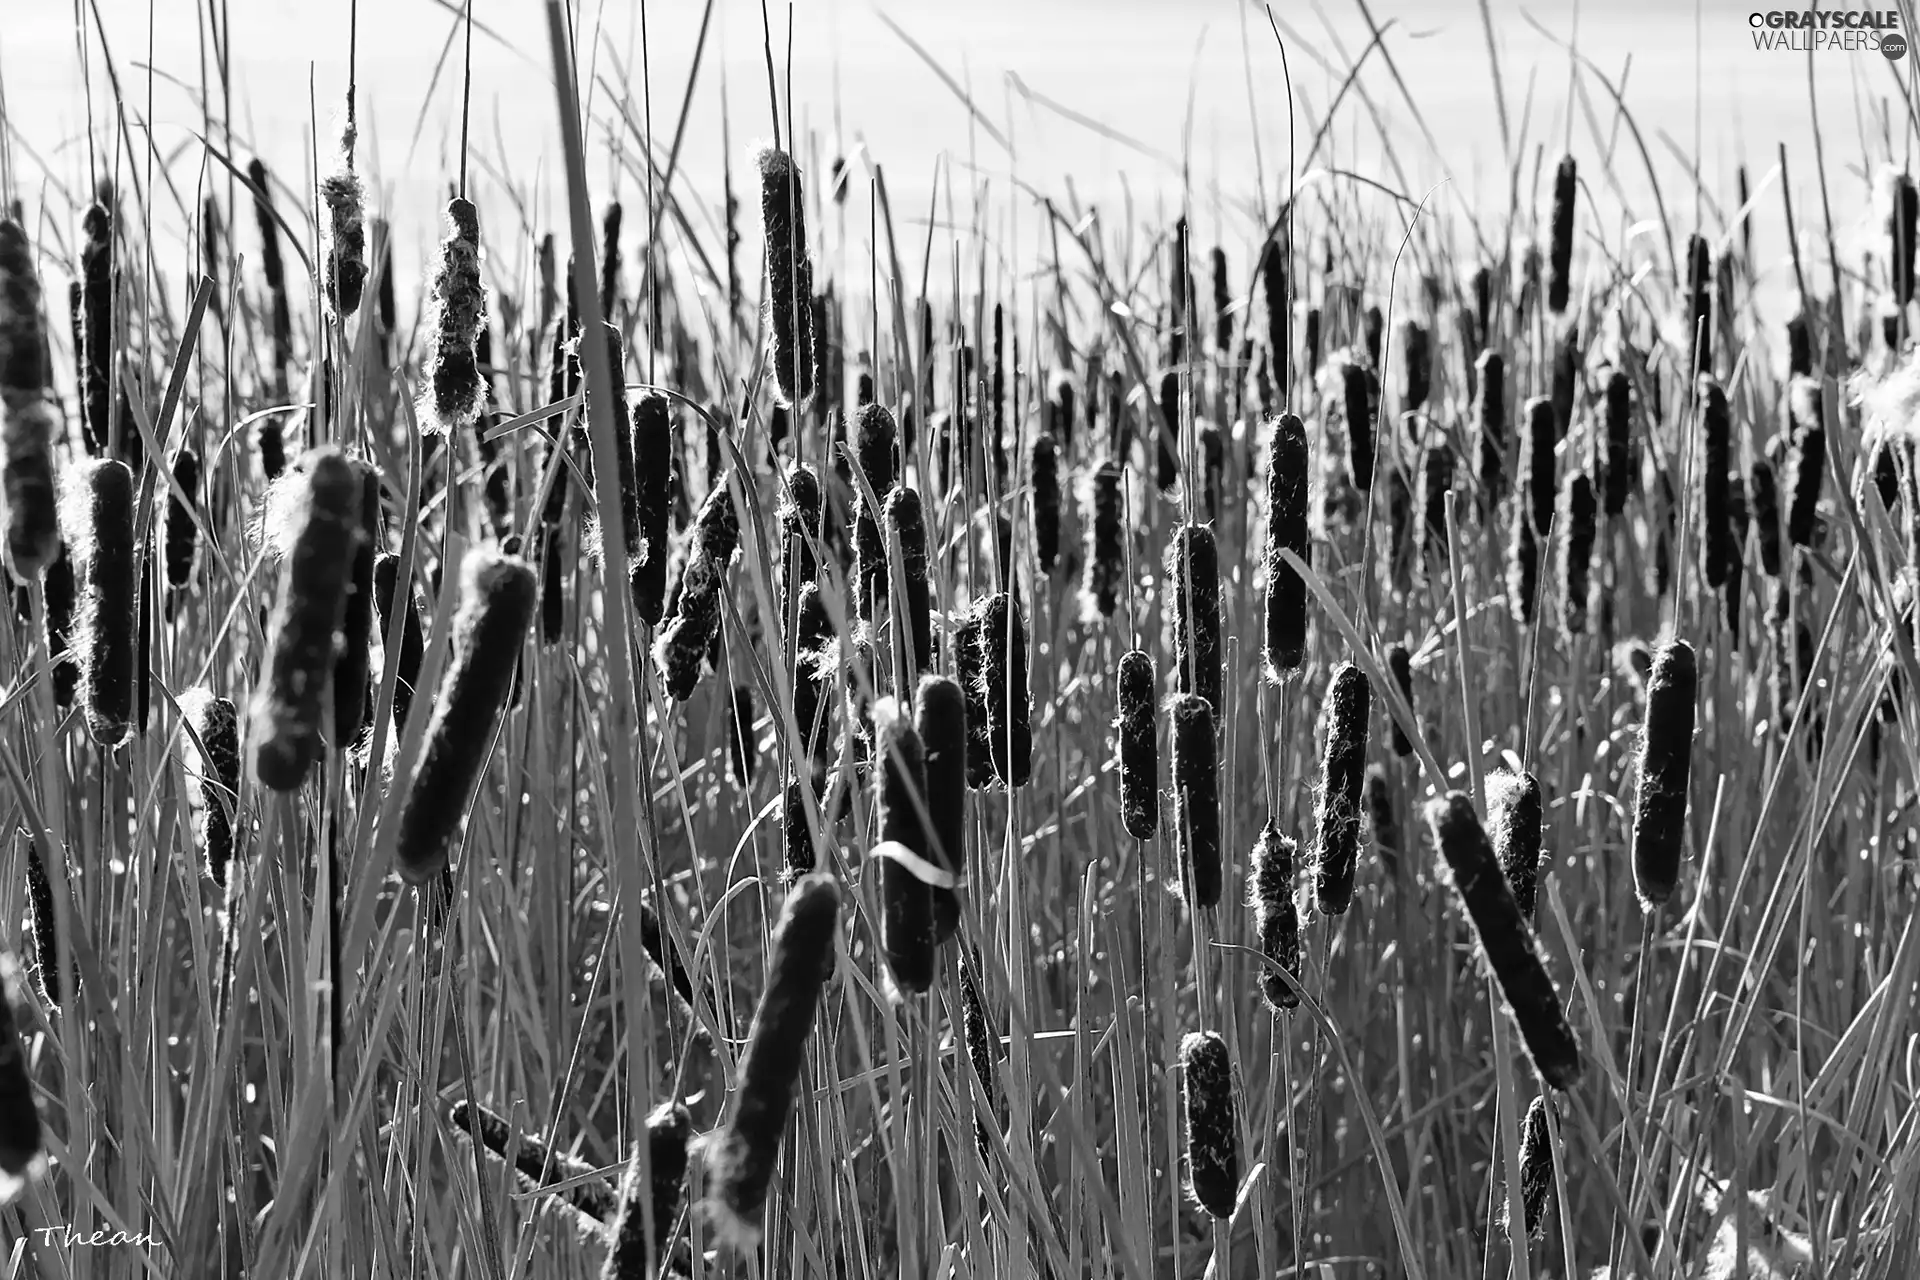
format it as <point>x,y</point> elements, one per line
<point>789,277</point>
<point>1273,287</point>
<point>1806,458</point>
<point>1400,667</point>
<point>1356,398</point>
<point>1374,327</point>
<point>907,527</point>
<point>940,718</point>
<point>23,370</point>
<point>1312,337</point>
<point>1167,431</point>
<point>1436,483</point>
<point>352,668</point>
<point>1699,316</point>
<point>1617,442</point>
<point>1665,759</point>
<point>1537,463</point>
<point>1523,567</point>
<point>1196,791</point>
<point>908,875</point>
<point>1416,352</point>
<point>1213,1151</point>
<point>99,529</point>
<point>983,1044</point>
<point>797,845</point>
<point>61,590</point>
<point>800,529</point>
<point>1383,816</point>
<point>876,442</point>
<point>1490,427</point>
<point>1139,748</point>
<point>535,1163</point>
<point>497,598</point>
<point>1104,567</point>
<point>1002,685</point>
<point>1276,919</point>
<point>741,1155</point>
<point>1576,552</point>
<point>1716,439</point>
<point>27,426</point>
<point>1536,1171</point>
<point>1903,219</point>
<point>1505,940</point>
<point>1288,482</point>
<point>1560,240</point>
<point>390,594</point>
<point>1513,824</point>
<point>1763,495</point>
<point>1337,815</point>
<point>344,241</point>
<point>20,1139</point>
<point>455,391</point>
<point>46,937</point>
<point>682,645</point>
<point>1193,585</point>
<point>1566,372</point>
<point>211,750</point>
<point>1222,303</point>
<point>1044,475</point>
<point>93,298</point>
<point>183,535</point>
<point>632,1252</point>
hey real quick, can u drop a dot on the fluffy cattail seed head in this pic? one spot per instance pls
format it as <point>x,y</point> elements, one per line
<point>1276,919</point>
<point>1196,789</point>
<point>99,529</point>
<point>458,307</point>
<point>345,228</point>
<point>1213,1158</point>
<point>1513,824</point>
<point>1665,760</point>
<point>1763,494</point>
<point>1506,942</point>
<point>1337,816</point>
<point>1536,1171</point>
<point>682,645</point>
<point>907,872</point>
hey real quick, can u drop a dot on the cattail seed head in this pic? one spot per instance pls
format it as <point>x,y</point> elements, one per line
<point>1523,568</point>
<point>1699,305</point>
<point>633,1254</point>
<point>904,852</point>
<point>797,847</point>
<point>1490,426</point>
<point>907,525</point>
<point>98,511</point>
<point>1763,494</point>
<point>46,938</point>
<point>1806,459</point>
<point>27,426</point>
<point>1536,1170</point>
<point>1139,749</point>
<point>345,228</point>
<point>1716,435</point>
<point>683,643</point>
<point>1665,759</point>
<point>23,371</point>
<point>610,223</point>
<point>1276,919</point>
<point>1288,482</point>
<point>1002,685</point>
<point>1903,220</point>
<point>1560,241</point>
<point>1104,566</point>
<point>535,1163</point>
<point>1416,350</point>
<point>20,1136</point>
<point>352,669</point>
<point>1576,552</point>
<point>742,1153</point>
<point>1437,483</point>
<point>940,719</point>
<point>93,296</point>
<point>1213,1157</point>
<point>1196,789</point>
<point>799,521</point>
<point>183,535</point>
<point>1537,464</point>
<point>789,277</point>
<point>1312,338</point>
<point>1383,816</point>
<point>1193,582</point>
<point>458,307</point>
<point>1505,940</point>
<point>1356,398</point>
<point>876,439</point>
<point>983,1043</point>
<point>1273,286</point>
<point>1513,825</point>
<point>1044,475</point>
<point>1400,667</point>
<point>61,592</point>
<point>389,595</point>
<point>1337,815</point>
<point>1167,431</point>
<point>214,766</point>
<point>497,598</point>
<point>1617,442</point>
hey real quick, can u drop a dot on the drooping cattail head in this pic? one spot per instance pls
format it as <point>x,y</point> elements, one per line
<point>906,870</point>
<point>1002,687</point>
<point>1665,759</point>
<point>1276,919</point>
<point>1763,496</point>
<point>1288,483</point>
<point>1617,442</point>
<point>1213,1153</point>
<point>800,528</point>
<point>20,1137</point>
<point>682,645</point>
<point>940,719</point>
<point>632,1252</point>
<point>1537,464</point>
<point>536,1164</point>
<point>1400,667</point>
<point>741,1155</point>
<point>1506,942</point>
<point>1337,815</point>
<point>46,937</point>
<point>1043,472</point>
<point>497,598</point>
<point>1103,569</point>
<point>789,277</point>
<point>907,526</point>
<point>211,750</point>
<point>1536,1171</point>
<point>1196,789</point>
<point>1716,435</point>
<point>1139,749</point>
<point>1193,587</point>
<point>1576,552</point>
<point>1513,824</point>
<point>98,526</point>
<point>1560,241</point>
<point>1490,426</point>
<point>345,230</point>
<point>1806,459</point>
<point>458,306</point>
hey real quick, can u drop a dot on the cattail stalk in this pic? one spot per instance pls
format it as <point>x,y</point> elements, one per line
<point>1276,919</point>
<point>1213,1157</point>
<point>1288,483</point>
<point>99,529</point>
<point>1665,759</point>
<point>1196,790</point>
<point>1337,815</point>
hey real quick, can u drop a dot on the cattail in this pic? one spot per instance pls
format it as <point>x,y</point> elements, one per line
<point>1416,350</point>
<point>1576,552</point>
<point>982,1043</point>
<point>316,524</point>
<point>631,1253</point>
<point>1566,372</point>
<point>1193,581</point>
<point>1139,750</point>
<point>907,524</point>
<point>1375,328</point>
<point>1196,789</point>
<point>789,277</point>
<point>1666,756</point>
<point>1505,940</point>
<point>1104,567</point>
<point>1376,793</point>
<point>1799,345</point>
<point>1273,284</point>
<point>383,294</point>
<point>1806,459</point>
<point>907,873</point>
<point>497,598</point>
<point>61,591</point>
<point>351,669</point>
<point>1490,423</point>
<point>1513,823</point>
<point>1275,918</point>
<point>1536,1171</point>
<point>212,752</point>
<point>1400,667</point>
<point>1043,469</point>
<point>1699,306</point>
<point>183,535</point>
<point>741,1154</point>
<point>388,595</point>
<point>799,523</point>
<point>272,265</point>
<point>1002,684</point>
<point>1337,816</point>
<point>997,392</point>
<point>1213,1157</point>
<point>1537,465</point>
<point>1167,430</point>
<point>1617,442</point>
<point>876,439</point>
<point>535,1163</point>
<point>26,420</point>
<point>610,258</point>
<point>683,644</point>
<point>1356,396</point>
<point>1437,483</point>
<point>345,228</point>
<point>740,746</point>
<point>46,939</point>
<point>1903,220</point>
<point>1222,303</point>
<point>99,529</point>
<point>797,848</point>
<point>1312,337</point>
<point>95,290</point>
<point>20,1150</point>
<point>1523,568</point>
<point>940,720</point>
<point>1288,481</point>
<point>1716,430</point>
<point>458,307</point>
<point>1764,496</point>
<point>1560,241</point>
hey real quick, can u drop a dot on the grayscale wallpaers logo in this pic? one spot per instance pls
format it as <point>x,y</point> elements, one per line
<point>1829,31</point>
